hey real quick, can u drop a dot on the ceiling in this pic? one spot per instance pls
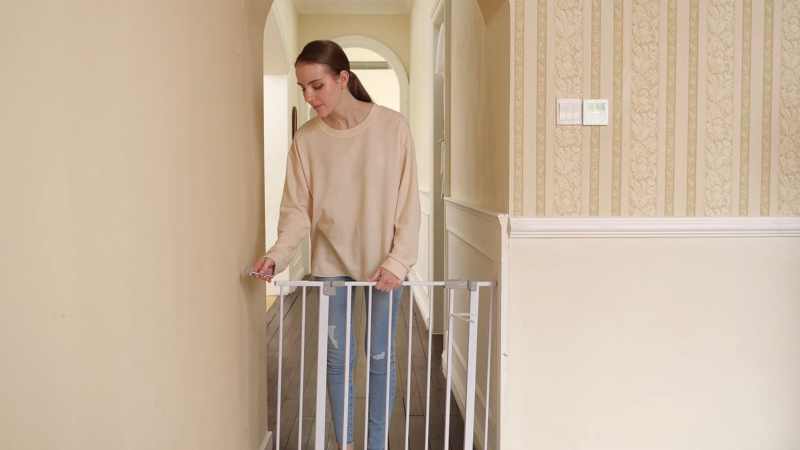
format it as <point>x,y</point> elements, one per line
<point>353,6</point>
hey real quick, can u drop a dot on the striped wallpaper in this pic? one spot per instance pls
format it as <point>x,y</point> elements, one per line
<point>704,100</point>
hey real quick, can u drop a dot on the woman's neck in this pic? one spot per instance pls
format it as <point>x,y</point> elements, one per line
<point>348,113</point>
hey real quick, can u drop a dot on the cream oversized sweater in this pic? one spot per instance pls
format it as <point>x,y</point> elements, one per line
<point>356,190</point>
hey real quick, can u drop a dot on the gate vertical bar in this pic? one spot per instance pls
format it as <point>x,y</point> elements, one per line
<point>302,369</point>
<point>280,372</point>
<point>369,362</point>
<point>346,415</point>
<point>428,380</point>
<point>449,370</point>
<point>389,359</point>
<point>322,359</point>
<point>472,368</point>
<point>408,376</point>
<point>488,372</point>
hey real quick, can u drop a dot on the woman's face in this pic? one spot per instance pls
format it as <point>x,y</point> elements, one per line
<point>320,90</point>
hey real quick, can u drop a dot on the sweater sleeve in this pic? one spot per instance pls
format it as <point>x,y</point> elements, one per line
<point>405,244</point>
<point>295,213</point>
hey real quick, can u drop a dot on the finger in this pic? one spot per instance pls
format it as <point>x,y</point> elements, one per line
<point>374,276</point>
<point>260,264</point>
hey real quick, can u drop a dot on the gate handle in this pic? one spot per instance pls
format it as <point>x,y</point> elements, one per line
<point>251,272</point>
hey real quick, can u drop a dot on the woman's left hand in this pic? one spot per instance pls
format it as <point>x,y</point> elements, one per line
<point>387,281</point>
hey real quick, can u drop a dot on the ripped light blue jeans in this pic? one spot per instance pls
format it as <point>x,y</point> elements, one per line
<point>337,314</point>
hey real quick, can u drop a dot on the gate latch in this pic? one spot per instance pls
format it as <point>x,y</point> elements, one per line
<point>461,284</point>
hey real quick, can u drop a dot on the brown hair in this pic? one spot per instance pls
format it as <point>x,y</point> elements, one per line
<point>332,55</point>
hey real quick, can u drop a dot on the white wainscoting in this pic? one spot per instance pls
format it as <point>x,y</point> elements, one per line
<point>422,270</point>
<point>632,333</point>
<point>474,250</point>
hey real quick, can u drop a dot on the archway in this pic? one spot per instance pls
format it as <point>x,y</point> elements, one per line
<point>363,46</point>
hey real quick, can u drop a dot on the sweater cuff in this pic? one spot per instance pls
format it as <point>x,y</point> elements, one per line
<point>280,263</point>
<point>394,266</point>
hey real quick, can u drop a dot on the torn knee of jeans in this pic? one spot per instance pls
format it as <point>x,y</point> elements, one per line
<point>379,356</point>
<point>331,330</point>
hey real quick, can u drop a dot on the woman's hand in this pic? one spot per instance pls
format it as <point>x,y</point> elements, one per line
<point>266,266</point>
<point>387,281</point>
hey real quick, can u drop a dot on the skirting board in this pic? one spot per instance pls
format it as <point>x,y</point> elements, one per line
<point>267,444</point>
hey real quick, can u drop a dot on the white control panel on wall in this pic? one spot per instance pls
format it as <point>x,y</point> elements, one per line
<point>595,112</point>
<point>568,111</point>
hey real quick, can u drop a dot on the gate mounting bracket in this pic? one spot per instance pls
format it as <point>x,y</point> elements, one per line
<point>461,284</point>
<point>329,287</point>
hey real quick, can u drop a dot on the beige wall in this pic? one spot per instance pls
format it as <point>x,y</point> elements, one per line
<point>479,105</point>
<point>131,198</point>
<point>703,99</point>
<point>390,29</point>
<point>421,87</point>
<point>653,343</point>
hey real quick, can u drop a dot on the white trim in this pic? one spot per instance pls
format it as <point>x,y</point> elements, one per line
<point>475,210</point>
<point>502,356</point>
<point>425,201</point>
<point>437,12</point>
<point>353,8</point>
<point>389,55</point>
<point>279,20</point>
<point>266,444</point>
<point>601,227</point>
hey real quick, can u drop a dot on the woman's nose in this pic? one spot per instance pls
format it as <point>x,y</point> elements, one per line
<point>308,97</point>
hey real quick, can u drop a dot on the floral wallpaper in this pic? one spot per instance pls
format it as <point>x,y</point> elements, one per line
<point>704,99</point>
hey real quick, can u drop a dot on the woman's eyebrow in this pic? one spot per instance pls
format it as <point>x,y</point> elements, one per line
<point>314,81</point>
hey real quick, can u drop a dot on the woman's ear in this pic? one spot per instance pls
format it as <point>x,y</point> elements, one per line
<point>344,78</point>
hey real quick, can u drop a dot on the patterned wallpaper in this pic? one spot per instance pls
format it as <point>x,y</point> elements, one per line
<point>704,100</point>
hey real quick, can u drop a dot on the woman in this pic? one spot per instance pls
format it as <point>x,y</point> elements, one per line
<point>351,179</point>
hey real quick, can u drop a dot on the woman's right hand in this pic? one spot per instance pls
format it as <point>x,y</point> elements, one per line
<point>265,266</point>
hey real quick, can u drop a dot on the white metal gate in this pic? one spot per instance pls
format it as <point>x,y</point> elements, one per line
<point>328,288</point>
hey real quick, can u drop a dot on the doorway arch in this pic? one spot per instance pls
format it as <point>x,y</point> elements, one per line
<point>386,53</point>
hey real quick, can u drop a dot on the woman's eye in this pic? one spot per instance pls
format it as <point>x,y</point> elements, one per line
<point>317,87</point>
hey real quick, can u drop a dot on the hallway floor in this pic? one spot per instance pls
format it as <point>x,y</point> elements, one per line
<point>416,402</point>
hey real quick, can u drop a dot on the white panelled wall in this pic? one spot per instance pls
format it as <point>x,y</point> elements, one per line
<point>475,250</point>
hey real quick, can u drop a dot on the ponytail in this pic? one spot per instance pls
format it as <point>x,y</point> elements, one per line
<point>331,54</point>
<point>357,89</point>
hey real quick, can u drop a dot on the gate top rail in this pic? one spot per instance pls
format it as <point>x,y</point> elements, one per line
<point>373,283</point>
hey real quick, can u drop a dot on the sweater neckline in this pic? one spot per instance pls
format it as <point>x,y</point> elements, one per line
<point>350,131</point>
